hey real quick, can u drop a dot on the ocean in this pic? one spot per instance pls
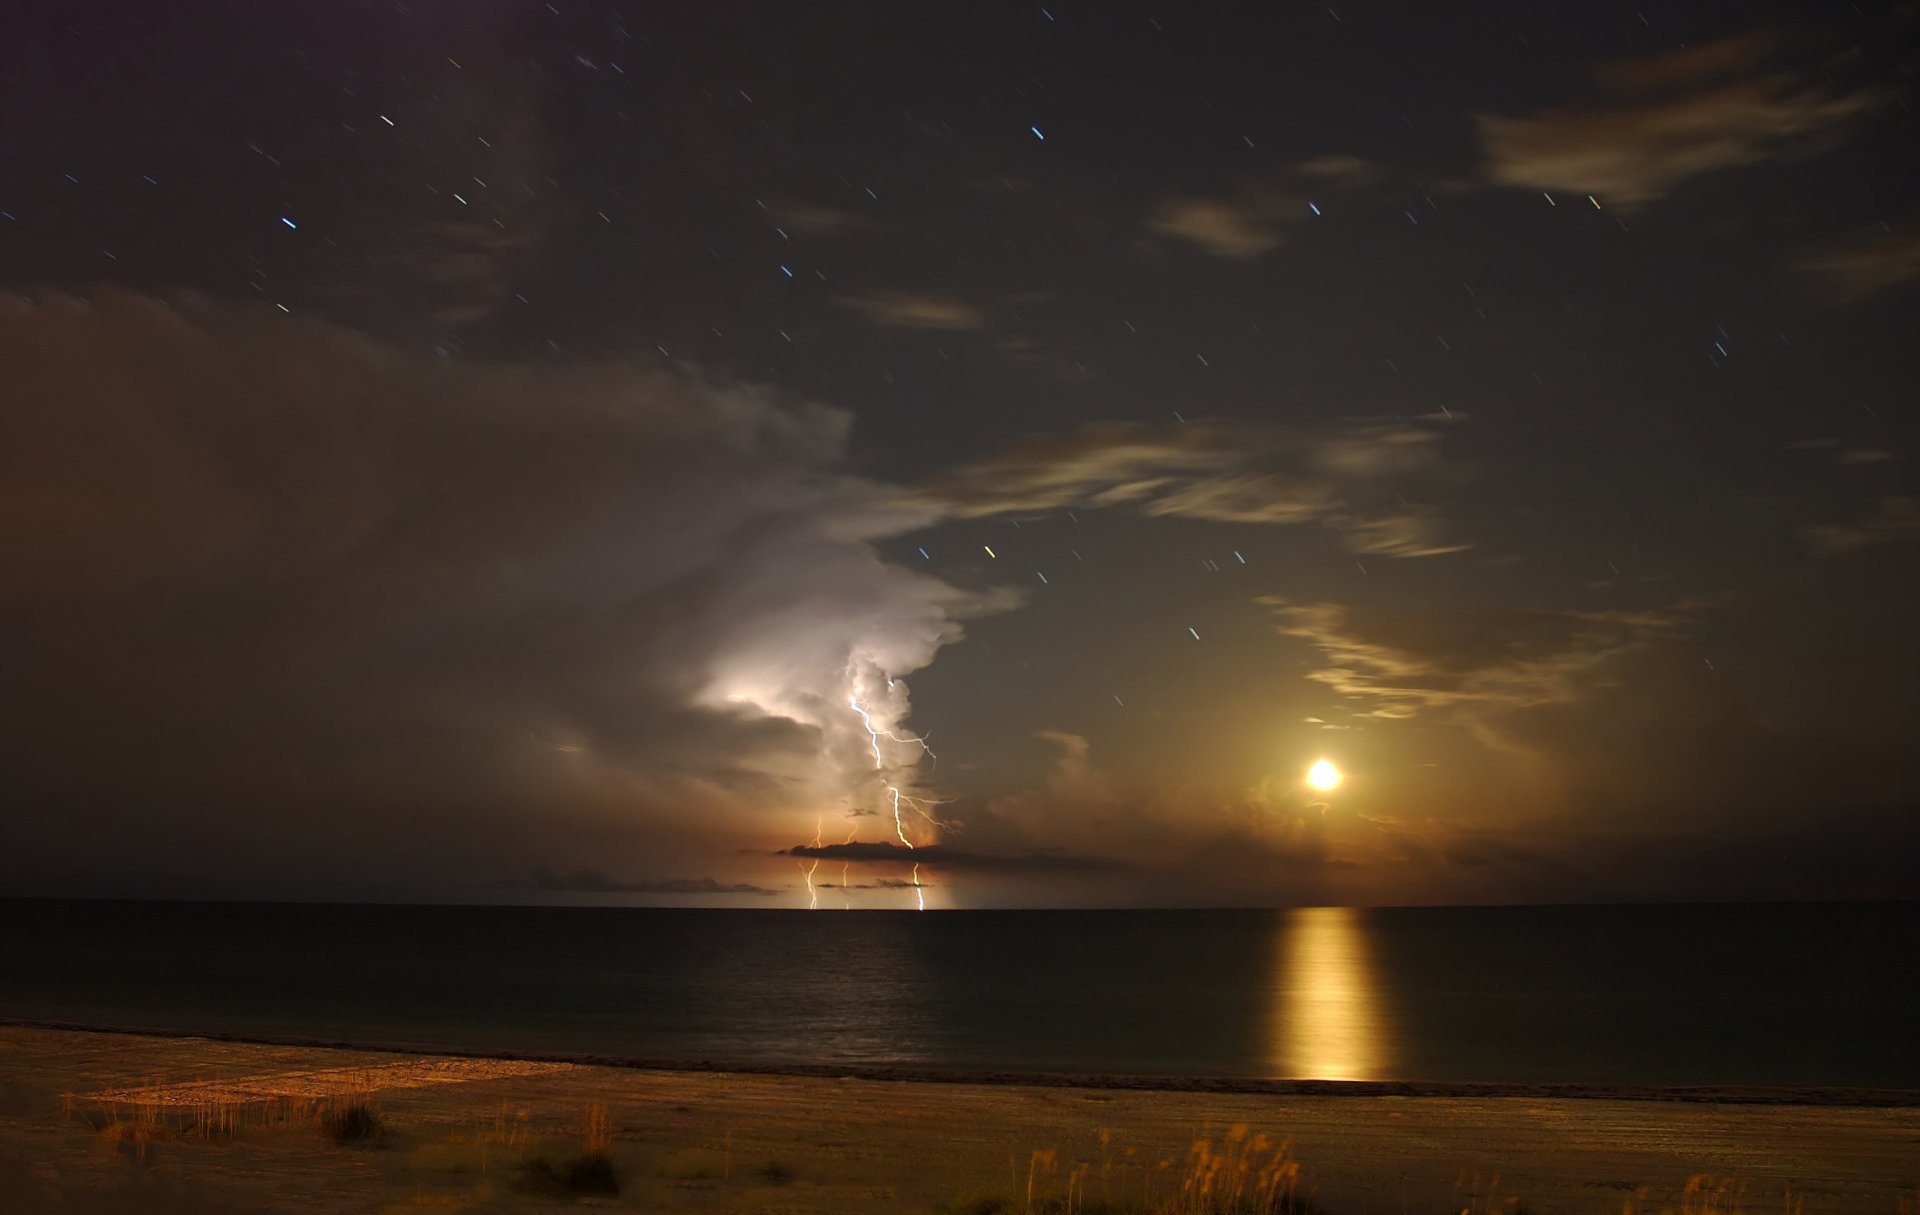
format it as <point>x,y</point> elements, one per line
<point>1774,995</point>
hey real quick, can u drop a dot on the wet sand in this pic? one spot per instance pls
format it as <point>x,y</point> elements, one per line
<point>93,1122</point>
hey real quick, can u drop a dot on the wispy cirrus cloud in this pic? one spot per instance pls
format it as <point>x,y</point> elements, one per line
<point>1248,222</point>
<point>1864,266</point>
<point>1896,519</point>
<point>1339,169</point>
<point>1217,227</point>
<point>1397,665</point>
<point>1671,118</point>
<point>1846,454</point>
<point>915,310</point>
<point>1354,479</point>
<point>813,219</point>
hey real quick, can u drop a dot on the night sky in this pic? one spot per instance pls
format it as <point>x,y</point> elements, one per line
<point>503,451</point>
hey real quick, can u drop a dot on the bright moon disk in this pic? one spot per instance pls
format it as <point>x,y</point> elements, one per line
<point>1324,776</point>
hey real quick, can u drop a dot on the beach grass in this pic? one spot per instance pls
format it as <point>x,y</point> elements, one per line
<point>1239,1172</point>
<point>589,1171</point>
<point>495,1136</point>
<point>356,1122</point>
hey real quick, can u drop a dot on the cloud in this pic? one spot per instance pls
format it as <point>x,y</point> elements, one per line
<point>813,219</point>
<point>1396,665</point>
<point>1689,67</point>
<point>381,625</point>
<point>1587,734</point>
<point>1554,814</point>
<point>943,856</point>
<point>915,310</point>
<point>1339,169</point>
<point>1255,219</point>
<point>1353,479</point>
<point>1216,227</point>
<point>1846,454</point>
<point>288,610</point>
<point>593,881</point>
<point>1406,533</point>
<point>1864,266</point>
<point>1897,519</point>
<point>1213,842</point>
<point>450,255</point>
<point>1672,118</point>
<point>878,884</point>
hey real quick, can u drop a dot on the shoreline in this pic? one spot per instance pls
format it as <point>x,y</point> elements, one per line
<point>106,1123</point>
<point>1839,1096</point>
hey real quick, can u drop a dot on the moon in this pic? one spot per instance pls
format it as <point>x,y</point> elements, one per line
<point>1323,776</point>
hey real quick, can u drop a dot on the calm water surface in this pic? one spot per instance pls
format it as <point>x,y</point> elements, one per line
<point>1746,995</point>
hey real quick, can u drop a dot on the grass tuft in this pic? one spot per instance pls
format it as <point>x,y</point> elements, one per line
<point>591,1173</point>
<point>587,1173</point>
<point>356,1123</point>
<point>1239,1174</point>
<point>979,1204</point>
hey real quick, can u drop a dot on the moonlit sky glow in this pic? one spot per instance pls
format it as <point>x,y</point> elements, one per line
<point>873,456</point>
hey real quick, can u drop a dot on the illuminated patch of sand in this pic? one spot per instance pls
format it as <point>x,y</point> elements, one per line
<point>325,1082</point>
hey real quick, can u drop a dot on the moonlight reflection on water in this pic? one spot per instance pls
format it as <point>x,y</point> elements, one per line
<point>1328,1023</point>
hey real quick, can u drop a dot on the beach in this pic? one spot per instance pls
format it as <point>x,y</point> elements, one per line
<point>110,1122</point>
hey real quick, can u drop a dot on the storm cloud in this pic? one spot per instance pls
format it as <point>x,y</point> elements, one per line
<point>288,604</point>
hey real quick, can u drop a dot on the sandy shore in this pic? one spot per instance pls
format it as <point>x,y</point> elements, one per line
<point>111,1122</point>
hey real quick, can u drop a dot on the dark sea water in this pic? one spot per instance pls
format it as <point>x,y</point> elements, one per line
<point>1768,995</point>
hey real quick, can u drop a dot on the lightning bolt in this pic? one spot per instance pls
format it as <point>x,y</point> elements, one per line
<point>846,896</point>
<point>875,735</point>
<point>899,828</point>
<point>895,796</point>
<point>866,719</point>
<point>813,892</point>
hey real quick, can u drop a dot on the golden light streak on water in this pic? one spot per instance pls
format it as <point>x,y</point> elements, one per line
<point>1328,1020</point>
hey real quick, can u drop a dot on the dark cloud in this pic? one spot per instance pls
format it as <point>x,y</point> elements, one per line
<point>944,856</point>
<point>593,881</point>
<point>878,884</point>
<point>1838,852</point>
